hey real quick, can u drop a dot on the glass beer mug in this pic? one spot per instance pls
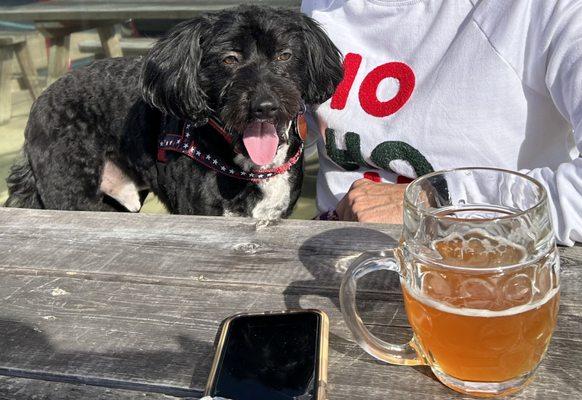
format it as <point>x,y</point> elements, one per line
<point>479,271</point>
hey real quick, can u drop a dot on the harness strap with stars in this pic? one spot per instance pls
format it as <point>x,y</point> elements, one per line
<point>184,143</point>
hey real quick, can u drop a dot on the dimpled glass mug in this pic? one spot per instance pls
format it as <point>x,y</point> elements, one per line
<point>479,271</point>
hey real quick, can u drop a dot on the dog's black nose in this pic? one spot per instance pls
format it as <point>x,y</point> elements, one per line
<point>264,108</point>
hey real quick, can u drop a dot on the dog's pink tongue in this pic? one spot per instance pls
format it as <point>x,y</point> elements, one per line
<point>261,142</point>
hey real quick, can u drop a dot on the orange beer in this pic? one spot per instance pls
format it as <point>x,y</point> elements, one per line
<point>483,327</point>
<point>479,271</point>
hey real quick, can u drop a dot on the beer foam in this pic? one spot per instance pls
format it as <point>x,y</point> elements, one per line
<point>472,312</point>
<point>478,243</point>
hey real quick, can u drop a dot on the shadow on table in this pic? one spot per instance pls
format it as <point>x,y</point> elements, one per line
<point>131,370</point>
<point>327,256</point>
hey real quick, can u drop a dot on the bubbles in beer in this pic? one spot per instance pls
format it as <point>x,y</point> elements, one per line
<point>518,289</point>
<point>482,308</point>
<point>476,248</point>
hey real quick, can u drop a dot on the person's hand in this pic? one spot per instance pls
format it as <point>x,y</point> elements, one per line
<point>368,201</point>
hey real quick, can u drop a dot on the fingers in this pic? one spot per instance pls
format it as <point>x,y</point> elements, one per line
<point>344,210</point>
<point>362,182</point>
<point>368,201</point>
<point>377,213</point>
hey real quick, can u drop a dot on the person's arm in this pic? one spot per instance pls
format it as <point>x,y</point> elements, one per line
<point>556,49</point>
<point>564,81</point>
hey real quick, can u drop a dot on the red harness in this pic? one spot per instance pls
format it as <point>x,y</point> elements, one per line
<point>184,143</point>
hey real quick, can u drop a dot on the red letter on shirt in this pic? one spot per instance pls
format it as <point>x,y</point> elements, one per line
<point>352,63</point>
<point>368,99</point>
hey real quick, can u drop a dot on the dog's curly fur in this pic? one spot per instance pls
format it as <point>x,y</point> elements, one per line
<point>111,111</point>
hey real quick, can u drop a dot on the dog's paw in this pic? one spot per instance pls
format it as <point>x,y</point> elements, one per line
<point>266,222</point>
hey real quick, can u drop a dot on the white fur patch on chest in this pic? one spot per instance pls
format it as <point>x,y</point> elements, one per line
<point>117,184</point>
<point>276,198</point>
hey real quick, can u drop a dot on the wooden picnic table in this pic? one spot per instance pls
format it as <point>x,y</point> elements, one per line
<point>124,306</point>
<point>58,19</point>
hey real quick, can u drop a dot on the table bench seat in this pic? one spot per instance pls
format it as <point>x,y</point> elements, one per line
<point>129,46</point>
<point>14,45</point>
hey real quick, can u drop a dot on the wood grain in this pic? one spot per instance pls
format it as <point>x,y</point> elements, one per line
<point>134,301</point>
<point>162,336</point>
<point>110,41</point>
<point>151,248</point>
<point>6,60</point>
<point>12,388</point>
<point>11,38</point>
<point>129,46</point>
<point>28,69</point>
<point>58,58</point>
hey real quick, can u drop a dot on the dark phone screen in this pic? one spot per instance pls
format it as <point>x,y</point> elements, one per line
<point>271,357</point>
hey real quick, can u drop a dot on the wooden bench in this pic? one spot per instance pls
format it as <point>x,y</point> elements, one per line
<point>14,44</point>
<point>129,46</point>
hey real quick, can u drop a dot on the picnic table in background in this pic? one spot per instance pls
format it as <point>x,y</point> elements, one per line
<point>58,19</point>
<point>121,306</point>
<point>14,45</point>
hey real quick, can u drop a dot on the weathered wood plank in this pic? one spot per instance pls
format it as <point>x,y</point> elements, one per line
<point>12,388</point>
<point>139,333</point>
<point>150,248</point>
<point>55,10</point>
<point>28,69</point>
<point>7,39</point>
<point>238,250</point>
<point>161,335</point>
<point>6,61</point>
<point>110,41</point>
<point>135,300</point>
<point>58,58</point>
<point>63,27</point>
<point>59,33</point>
<point>129,46</point>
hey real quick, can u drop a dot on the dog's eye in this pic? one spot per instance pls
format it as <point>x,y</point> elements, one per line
<point>230,60</point>
<point>284,56</point>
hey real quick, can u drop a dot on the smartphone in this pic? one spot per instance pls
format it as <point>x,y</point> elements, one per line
<point>271,356</point>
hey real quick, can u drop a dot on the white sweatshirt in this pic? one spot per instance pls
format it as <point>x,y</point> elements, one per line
<point>436,84</point>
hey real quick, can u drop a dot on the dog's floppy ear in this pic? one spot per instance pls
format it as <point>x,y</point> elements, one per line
<point>324,66</point>
<point>170,73</point>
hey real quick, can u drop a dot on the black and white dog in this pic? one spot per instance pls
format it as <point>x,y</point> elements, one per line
<point>208,121</point>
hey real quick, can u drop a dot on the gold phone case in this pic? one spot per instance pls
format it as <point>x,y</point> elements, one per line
<point>322,356</point>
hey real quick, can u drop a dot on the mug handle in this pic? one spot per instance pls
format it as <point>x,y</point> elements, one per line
<point>394,354</point>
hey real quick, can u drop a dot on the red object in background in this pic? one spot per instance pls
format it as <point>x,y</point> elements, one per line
<point>372,176</point>
<point>134,30</point>
<point>375,177</point>
<point>47,45</point>
<point>403,179</point>
<point>47,42</point>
